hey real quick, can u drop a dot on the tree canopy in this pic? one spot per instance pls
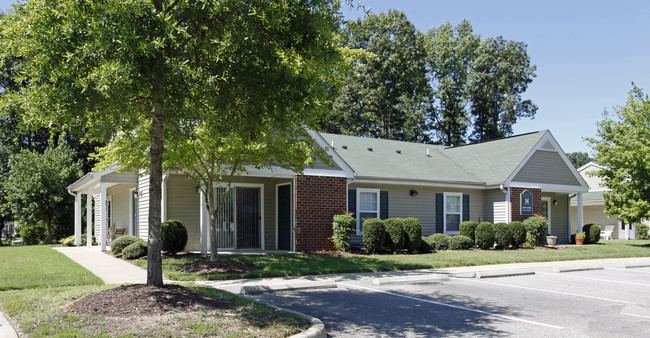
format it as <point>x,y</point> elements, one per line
<point>622,145</point>
<point>578,158</point>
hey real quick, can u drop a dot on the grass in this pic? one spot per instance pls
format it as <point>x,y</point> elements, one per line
<point>24,267</point>
<point>305,264</point>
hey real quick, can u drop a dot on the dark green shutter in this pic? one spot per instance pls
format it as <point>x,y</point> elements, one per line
<point>439,217</point>
<point>383,204</point>
<point>352,202</point>
<point>465,208</point>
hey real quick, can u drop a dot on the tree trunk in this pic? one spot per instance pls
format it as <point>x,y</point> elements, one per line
<point>154,261</point>
<point>209,200</point>
<point>49,231</point>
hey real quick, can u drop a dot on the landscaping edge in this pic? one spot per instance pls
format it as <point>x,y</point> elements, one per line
<point>316,330</point>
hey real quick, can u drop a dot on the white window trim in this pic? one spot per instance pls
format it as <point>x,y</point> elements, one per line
<point>550,203</point>
<point>444,211</point>
<point>359,211</point>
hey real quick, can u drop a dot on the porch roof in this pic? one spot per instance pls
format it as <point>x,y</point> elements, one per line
<point>90,182</point>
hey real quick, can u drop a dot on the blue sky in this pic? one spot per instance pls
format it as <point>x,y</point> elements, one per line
<point>587,52</point>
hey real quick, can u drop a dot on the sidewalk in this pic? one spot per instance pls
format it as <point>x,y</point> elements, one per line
<point>110,269</point>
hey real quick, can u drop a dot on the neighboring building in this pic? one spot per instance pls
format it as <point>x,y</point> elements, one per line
<point>594,205</point>
<point>496,181</point>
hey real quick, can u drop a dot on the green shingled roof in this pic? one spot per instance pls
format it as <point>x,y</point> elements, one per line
<point>481,163</point>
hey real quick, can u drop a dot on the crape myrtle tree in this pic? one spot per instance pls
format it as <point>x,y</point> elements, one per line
<point>384,94</point>
<point>622,146</point>
<point>146,71</point>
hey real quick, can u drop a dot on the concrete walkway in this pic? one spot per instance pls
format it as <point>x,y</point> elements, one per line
<point>110,269</point>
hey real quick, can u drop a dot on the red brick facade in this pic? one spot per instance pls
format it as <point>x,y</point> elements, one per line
<point>515,201</point>
<point>318,199</point>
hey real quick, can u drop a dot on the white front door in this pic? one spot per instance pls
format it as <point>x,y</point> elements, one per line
<point>546,211</point>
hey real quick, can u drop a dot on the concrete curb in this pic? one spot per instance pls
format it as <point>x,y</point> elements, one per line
<point>503,273</point>
<point>316,330</point>
<point>6,330</point>
<point>588,268</point>
<point>258,289</point>
<point>632,266</point>
<point>411,279</point>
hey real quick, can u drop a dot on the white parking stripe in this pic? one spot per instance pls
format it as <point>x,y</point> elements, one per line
<point>543,290</point>
<point>591,278</point>
<point>453,306</point>
<point>628,270</point>
<point>633,315</point>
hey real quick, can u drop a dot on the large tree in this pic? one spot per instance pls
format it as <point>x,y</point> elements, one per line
<point>500,74</point>
<point>451,52</point>
<point>133,67</point>
<point>622,145</point>
<point>383,95</point>
<point>579,158</point>
<point>36,187</point>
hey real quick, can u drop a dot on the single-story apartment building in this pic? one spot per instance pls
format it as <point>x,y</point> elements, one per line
<point>501,180</point>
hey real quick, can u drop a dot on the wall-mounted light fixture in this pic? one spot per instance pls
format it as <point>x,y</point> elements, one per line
<point>414,193</point>
<point>554,202</point>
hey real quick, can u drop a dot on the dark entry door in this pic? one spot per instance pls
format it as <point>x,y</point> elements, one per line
<point>284,217</point>
<point>248,218</point>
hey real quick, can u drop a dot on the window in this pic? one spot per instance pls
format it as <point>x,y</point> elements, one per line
<point>453,212</point>
<point>368,206</point>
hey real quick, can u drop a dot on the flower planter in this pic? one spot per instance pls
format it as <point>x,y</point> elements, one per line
<point>551,240</point>
<point>580,241</point>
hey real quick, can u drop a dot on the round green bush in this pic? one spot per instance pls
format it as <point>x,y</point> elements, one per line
<point>518,231</point>
<point>394,234</point>
<point>503,235</point>
<point>485,235</point>
<point>135,250</point>
<point>413,232</point>
<point>374,234</point>
<point>468,228</point>
<point>593,233</point>
<point>460,242</point>
<point>118,244</point>
<point>342,228</point>
<point>33,234</point>
<point>536,227</point>
<point>440,241</point>
<point>426,246</point>
<point>174,236</point>
<point>642,231</point>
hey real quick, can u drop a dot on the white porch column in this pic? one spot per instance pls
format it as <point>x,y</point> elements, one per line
<point>102,215</point>
<point>627,230</point>
<point>579,220</point>
<point>89,220</point>
<point>77,219</point>
<point>205,229</point>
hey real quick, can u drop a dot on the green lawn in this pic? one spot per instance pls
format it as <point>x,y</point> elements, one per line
<point>23,267</point>
<point>305,264</point>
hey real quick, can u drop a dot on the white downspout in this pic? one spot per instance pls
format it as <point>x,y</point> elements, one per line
<point>163,203</point>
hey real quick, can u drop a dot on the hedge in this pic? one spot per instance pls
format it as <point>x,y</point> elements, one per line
<point>460,242</point>
<point>518,231</point>
<point>536,227</point>
<point>468,228</point>
<point>503,235</point>
<point>394,234</point>
<point>342,228</point>
<point>593,233</point>
<point>439,241</point>
<point>174,236</point>
<point>485,235</point>
<point>118,244</point>
<point>413,232</point>
<point>642,231</point>
<point>374,234</point>
<point>135,250</point>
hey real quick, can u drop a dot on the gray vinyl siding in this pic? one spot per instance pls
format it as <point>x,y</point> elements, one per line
<point>402,204</point>
<point>496,206</point>
<point>183,204</point>
<point>120,197</point>
<point>559,216</point>
<point>143,207</point>
<point>546,167</point>
<point>98,217</point>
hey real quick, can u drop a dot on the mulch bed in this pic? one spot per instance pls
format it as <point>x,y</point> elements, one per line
<point>134,300</point>
<point>218,267</point>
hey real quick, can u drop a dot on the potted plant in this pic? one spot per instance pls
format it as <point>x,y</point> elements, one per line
<point>580,238</point>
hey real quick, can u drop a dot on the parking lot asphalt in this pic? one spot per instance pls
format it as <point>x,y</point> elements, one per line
<point>610,302</point>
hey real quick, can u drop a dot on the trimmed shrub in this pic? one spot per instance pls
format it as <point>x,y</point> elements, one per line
<point>485,235</point>
<point>460,242</point>
<point>33,234</point>
<point>413,232</point>
<point>518,231</point>
<point>135,250</point>
<point>118,244</point>
<point>503,235</point>
<point>642,231</point>
<point>468,228</point>
<point>425,245</point>
<point>394,234</point>
<point>174,236</point>
<point>536,227</point>
<point>69,241</point>
<point>374,234</point>
<point>593,233</point>
<point>440,241</point>
<point>342,228</point>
